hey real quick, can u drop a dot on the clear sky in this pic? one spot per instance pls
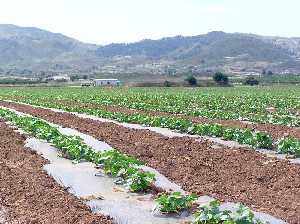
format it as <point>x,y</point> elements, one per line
<point>106,21</point>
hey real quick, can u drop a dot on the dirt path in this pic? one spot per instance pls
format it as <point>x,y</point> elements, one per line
<point>238,175</point>
<point>28,194</point>
<point>277,131</point>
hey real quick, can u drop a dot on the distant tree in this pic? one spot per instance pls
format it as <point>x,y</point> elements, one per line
<point>191,80</point>
<point>221,78</point>
<point>85,76</point>
<point>251,81</point>
<point>74,77</point>
<point>264,72</point>
<point>269,73</point>
<point>167,83</point>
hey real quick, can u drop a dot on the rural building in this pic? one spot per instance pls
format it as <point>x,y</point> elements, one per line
<point>60,78</point>
<point>106,82</point>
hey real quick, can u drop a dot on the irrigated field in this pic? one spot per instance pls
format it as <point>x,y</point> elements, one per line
<point>239,145</point>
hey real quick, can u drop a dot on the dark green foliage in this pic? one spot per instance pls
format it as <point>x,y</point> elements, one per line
<point>167,83</point>
<point>251,81</point>
<point>221,78</point>
<point>191,80</point>
<point>289,145</point>
<point>174,202</point>
<point>212,214</point>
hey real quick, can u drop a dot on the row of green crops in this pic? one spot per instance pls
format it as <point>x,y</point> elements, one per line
<point>112,162</point>
<point>176,202</point>
<point>280,105</point>
<point>116,164</point>
<point>242,136</point>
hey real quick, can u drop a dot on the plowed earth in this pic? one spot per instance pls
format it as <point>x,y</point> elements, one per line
<point>239,175</point>
<point>28,194</point>
<point>276,131</point>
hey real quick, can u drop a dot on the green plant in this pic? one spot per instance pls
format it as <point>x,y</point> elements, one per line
<point>212,214</point>
<point>140,181</point>
<point>174,202</point>
<point>191,80</point>
<point>115,163</point>
<point>251,81</point>
<point>289,145</point>
<point>221,78</point>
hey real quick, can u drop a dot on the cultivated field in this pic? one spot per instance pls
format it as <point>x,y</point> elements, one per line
<point>193,154</point>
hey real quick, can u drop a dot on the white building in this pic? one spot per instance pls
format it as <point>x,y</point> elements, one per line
<point>106,82</point>
<point>60,78</point>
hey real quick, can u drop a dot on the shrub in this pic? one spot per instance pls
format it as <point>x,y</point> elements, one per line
<point>191,80</point>
<point>251,81</point>
<point>221,78</point>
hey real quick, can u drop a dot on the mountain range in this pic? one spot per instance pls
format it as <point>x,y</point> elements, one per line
<point>28,50</point>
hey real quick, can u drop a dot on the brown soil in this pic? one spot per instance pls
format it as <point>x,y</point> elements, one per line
<point>238,175</point>
<point>276,131</point>
<point>28,194</point>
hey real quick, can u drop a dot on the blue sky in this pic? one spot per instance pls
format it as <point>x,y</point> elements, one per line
<point>106,21</point>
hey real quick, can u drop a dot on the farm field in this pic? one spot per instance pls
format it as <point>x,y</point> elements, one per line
<point>238,145</point>
<point>26,189</point>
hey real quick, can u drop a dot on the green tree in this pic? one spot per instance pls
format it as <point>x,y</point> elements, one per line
<point>167,83</point>
<point>251,81</point>
<point>221,78</point>
<point>191,80</point>
<point>74,77</point>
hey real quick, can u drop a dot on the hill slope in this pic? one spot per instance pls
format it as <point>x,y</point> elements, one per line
<point>32,49</point>
<point>214,49</point>
<point>214,45</point>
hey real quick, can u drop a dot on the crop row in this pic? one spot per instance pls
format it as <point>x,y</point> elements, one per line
<point>119,165</point>
<point>112,162</point>
<point>267,105</point>
<point>206,214</point>
<point>286,145</point>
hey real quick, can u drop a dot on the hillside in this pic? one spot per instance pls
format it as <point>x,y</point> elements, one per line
<point>214,46</point>
<point>34,48</point>
<point>27,50</point>
<point>215,49</point>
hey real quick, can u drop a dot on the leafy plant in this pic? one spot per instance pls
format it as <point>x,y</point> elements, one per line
<point>289,145</point>
<point>115,163</point>
<point>212,214</point>
<point>174,202</point>
<point>140,181</point>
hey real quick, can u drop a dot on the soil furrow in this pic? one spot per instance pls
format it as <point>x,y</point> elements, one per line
<point>239,175</point>
<point>276,131</point>
<point>28,194</point>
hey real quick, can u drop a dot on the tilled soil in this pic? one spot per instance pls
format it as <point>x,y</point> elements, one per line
<point>276,131</point>
<point>28,194</point>
<point>238,175</point>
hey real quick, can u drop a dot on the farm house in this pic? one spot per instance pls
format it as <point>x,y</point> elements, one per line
<point>106,82</point>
